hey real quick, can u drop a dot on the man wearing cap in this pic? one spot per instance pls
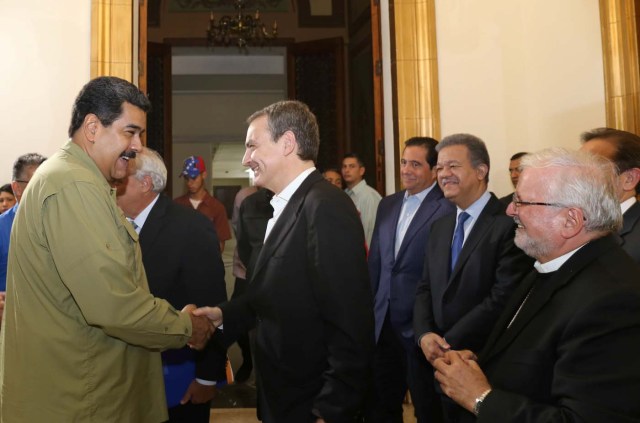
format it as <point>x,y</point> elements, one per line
<point>197,197</point>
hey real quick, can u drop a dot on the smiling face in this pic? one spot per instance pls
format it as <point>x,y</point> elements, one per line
<point>264,156</point>
<point>110,147</point>
<point>461,183</point>
<point>415,173</point>
<point>538,226</point>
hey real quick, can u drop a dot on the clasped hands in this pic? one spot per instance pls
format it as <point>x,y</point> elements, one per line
<point>204,322</point>
<point>458,372</point>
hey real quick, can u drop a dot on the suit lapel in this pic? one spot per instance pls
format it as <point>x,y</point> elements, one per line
<point>479,230</point>
<point>630,218</point>
<point>542,293</point>
<point>285,222</point>
<point>389,231</point>
<point>422,216</point>
<point>154,223</point>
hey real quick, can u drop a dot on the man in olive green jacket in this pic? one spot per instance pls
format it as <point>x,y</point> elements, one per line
<point>81,333</point>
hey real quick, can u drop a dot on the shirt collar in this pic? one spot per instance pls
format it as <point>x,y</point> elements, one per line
<point>556,263</point>
<point>626,204</point>
<point>358,188</point>
<point>421,195</point>
<point>142,216</point>
<point>281,199</point>
<point>75,150</point>
<point>476,208</point>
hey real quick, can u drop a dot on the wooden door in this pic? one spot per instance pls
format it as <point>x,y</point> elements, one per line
<point>159,133</point>
<point>315,74</point>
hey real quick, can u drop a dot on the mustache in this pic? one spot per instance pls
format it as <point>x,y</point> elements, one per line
<point>128,154</point>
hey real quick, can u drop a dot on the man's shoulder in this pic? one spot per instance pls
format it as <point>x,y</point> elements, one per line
<point>369,190</point>
<point>177,213</point>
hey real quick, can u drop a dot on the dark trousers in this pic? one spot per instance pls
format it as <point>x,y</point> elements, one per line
<point>399,364</point>
<point>190,413</point>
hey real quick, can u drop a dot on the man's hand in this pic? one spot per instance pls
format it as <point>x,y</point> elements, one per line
<point>433,346</point>
<point>198,393</point>
<point>201,329</point>
<point>212,313</point>
<point>461,379</point>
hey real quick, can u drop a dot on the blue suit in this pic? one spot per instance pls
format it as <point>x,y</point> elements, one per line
<point>6,222</point>
<point>398,361</point>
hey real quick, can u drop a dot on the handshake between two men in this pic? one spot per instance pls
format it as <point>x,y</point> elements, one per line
<point>204,321</point>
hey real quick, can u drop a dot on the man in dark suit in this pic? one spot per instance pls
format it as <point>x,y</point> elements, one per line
<point>250,216</point>
<point>514,174</point>
<point>623,149</point>
<point>309,296</point>
<point>396,259</point>
<point>567,344</point>
<point>181,256</point>
<point>471,265</point>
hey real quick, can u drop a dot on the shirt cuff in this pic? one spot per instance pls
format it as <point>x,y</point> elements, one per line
<point>206,382</point>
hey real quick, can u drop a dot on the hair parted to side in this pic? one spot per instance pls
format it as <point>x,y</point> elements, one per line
<point>149,163</point>
<point>586,181</point>
<point>478,154</point>
<point>25,161</point>
<point>518,155</point>
<point>430,144</point>
<point>627,146</point>
<point>294,116</point>
<point>104,96</point>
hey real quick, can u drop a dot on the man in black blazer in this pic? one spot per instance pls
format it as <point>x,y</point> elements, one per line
<point>181,256</point>
<point>459,300</point>
<point>396,257</point>
<point>309,296</point>
<point>623,149</point>
<point>567,345</point>
<point>514,174</point>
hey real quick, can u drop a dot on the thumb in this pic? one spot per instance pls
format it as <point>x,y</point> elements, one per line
<point>186,397</point>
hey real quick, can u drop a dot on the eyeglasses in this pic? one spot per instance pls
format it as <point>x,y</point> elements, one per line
<point>517,203</point>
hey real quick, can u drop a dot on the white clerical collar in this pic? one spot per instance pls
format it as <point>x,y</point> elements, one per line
<point>556,263</point>
<point>626,204</point>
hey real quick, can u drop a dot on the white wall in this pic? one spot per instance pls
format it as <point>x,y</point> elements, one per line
<point>520,74</point>
<point>44,61</point>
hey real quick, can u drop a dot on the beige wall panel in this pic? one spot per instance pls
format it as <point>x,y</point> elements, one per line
<point>521,75</point>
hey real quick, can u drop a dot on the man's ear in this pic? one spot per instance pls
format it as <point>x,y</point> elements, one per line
<point>630,179</point>
<point>289,143</point>
<point>90,126</point>
<point>482,171</point>
<point>574,222</point>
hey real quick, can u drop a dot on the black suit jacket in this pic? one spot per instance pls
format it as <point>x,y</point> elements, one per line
<point>394,279</point>
<point>311,297</point>
<point>463,305</point>
<point>630,232</point>
<point>181,256</point>
<point>253,215</point>
<point>572,352</point>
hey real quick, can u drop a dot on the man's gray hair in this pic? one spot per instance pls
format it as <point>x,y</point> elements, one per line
<point>149,162</point>
<point>478,154</point>
<point>587,182</point>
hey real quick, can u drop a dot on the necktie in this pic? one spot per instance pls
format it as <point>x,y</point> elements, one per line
<point>133,223</point>
<point>458,238</point>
